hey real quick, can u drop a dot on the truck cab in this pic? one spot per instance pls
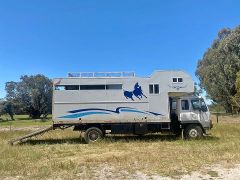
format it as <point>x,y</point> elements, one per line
<point>191,114</point>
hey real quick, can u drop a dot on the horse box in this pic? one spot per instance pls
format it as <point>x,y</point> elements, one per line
<point>120,103</point>
<point>114,98</point>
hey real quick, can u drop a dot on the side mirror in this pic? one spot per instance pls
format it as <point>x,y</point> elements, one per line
<point>203,108</point>
<point>198,108</point>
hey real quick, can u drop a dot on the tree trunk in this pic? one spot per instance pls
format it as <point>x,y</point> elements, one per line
<point>228,108</point>
<point>12,117</point>
<point>35,114</point>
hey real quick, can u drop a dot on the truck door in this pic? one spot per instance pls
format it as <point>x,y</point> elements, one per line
<point>199,107</point>
<point>173,106</point>
<point>184,110</point>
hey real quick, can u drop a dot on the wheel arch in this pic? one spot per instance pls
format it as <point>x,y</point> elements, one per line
<point>84,127</point>
<point>186,124</point>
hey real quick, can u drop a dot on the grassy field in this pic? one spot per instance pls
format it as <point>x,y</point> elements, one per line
<point>24,120</point>
<point>61,154</point>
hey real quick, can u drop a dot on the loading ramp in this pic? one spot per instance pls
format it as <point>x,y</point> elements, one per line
<point>28,136</point>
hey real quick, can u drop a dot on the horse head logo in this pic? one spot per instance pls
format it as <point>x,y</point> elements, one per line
<point>137,92</point>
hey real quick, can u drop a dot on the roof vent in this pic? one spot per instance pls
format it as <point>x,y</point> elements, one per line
<point>101,74</point>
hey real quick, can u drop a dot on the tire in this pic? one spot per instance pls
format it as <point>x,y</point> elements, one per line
<point>193,132</point>
<point>92,134</point>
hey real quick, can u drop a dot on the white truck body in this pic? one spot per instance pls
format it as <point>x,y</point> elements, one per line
<point>124,103</point>
<point>117,105</point>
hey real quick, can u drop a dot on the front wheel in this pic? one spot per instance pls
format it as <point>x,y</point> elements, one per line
<point>93,134</point>
<point>193,132</point>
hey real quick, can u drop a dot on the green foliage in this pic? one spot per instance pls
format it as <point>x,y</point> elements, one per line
<point>238,83</point>
<point>214,107</point>
<point>32,95</point>
<point>197,89</point>
<point>6,108</point>
<point>217,70</point>
<point>237,95</point>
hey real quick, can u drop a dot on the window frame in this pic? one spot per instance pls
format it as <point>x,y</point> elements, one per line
<point>119,85</point>
<point>177,80</point>
<point>86,87</point>
<point>174,78</point>
<point>184,106</point>
<point>65,88</point>
<point>83,87</point>
<point>152,89</point>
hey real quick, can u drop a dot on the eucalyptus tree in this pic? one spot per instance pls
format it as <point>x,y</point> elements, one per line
<point>217,70</point>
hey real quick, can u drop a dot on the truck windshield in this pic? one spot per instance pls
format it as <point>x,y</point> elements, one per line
<point>199,104</point>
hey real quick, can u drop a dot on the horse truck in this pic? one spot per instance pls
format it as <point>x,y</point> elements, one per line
<point>97,103</point>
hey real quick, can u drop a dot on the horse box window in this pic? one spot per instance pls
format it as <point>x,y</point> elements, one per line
<point>154,88</point>
<point>180,79</point>
<point>177,80</point>
<point>92,87</point>
<point>101,87</point>
<point>151,88</point>
<point>66,87</point>
<point>174,80</point>
<point>114,86</point>
<point>89,87</point>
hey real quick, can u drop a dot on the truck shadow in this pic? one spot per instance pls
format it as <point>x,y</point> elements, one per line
<point>144,138</point>
<point>116,138</point>
<point>53,141</point>
<point>107,138</point>
<point>153,138</point>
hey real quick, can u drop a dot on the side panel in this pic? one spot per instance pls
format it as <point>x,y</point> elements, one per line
<point>130,104</point>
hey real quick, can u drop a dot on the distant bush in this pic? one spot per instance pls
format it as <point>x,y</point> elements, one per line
<point>31,95</point>
<point>6,108</point>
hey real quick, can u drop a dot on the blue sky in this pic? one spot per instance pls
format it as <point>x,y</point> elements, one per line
<point>53,37</point>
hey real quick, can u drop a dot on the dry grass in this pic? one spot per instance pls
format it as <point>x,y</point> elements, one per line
<point>226,119</point>
<point>61,154</point>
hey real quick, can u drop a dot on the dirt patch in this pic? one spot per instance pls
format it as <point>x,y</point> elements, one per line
<point>28,128</point>
<point>217,172</point>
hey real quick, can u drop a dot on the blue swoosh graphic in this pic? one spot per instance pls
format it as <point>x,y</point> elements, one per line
<point>99,109</point>
<point>156,114</point>
<point>132,110</point>
<point>91,111</point>
<point>78,115</point>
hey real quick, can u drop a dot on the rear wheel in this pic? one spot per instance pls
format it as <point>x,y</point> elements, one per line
<point>193,132</point>
<point>93,134</point>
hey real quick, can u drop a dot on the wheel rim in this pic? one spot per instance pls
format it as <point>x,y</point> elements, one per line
<point>93,135</point>
<point>193,133</point>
